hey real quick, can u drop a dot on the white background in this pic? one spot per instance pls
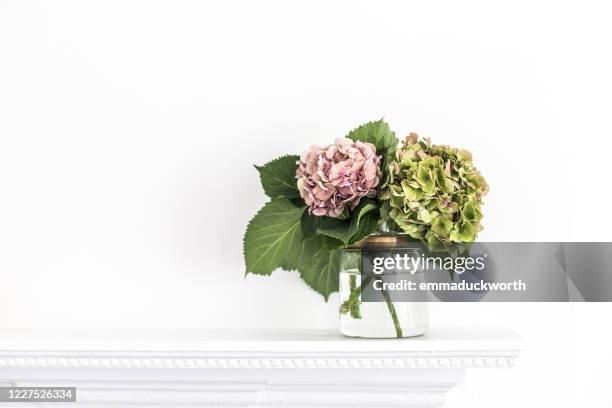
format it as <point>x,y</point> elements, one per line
<point>128,131</point>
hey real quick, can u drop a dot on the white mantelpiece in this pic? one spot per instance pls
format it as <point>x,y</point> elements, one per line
<point>265,368</point>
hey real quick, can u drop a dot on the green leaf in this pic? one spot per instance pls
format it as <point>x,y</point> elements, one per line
<point>273,237</point>
<point>378,133</point>
<point>368,224</point>
<point>309,225</point>
<point>349,230</point>
<point>319,266</point>
<point>278,177</point>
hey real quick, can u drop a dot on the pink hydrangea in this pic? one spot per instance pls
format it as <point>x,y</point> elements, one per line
<point>339,175</point>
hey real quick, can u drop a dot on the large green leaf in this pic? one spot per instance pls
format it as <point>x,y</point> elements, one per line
<point>363,221</point>
<point>319,264</point>
<point>278,177</point>
<point>310,224</point>
<point>273,237</point>
<point>378,133</point>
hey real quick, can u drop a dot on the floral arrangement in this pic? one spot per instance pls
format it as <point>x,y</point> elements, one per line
<point>334,196</point>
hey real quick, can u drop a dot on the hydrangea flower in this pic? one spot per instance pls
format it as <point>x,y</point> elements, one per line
<point>433,193</point>
<point>333,178</point>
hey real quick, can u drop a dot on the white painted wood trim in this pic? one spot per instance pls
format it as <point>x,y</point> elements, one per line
<point>251,369</point>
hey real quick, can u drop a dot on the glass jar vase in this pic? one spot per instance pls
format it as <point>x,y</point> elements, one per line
<point>383,317</point>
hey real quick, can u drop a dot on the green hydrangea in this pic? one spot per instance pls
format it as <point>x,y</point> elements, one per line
<point>433,193</point>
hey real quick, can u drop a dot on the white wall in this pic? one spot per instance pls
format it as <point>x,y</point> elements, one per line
<point>128,131</point>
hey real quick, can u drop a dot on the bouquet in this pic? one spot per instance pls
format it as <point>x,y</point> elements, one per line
<point>334,196</point>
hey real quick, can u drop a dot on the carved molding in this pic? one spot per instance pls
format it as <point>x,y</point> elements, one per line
<point>77,360</point>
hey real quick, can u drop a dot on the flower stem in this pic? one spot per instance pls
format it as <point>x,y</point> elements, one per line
<point>391,307</point>
<point>352,303</point>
